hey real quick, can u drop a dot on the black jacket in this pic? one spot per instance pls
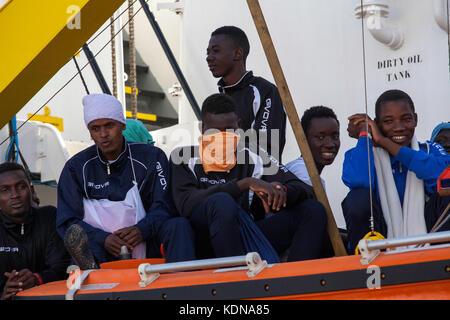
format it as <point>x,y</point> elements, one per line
<point>191,185</point>
<point>259,107</point>
<point>34,245</point>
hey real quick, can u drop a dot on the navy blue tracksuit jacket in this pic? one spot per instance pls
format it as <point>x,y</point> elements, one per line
<point>85,175</point>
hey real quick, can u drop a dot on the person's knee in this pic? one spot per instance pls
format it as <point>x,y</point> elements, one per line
<point>317,211</point>
<point>219,199</point>
<point>313,209</point>
<point>177,226</point>
<point>221,206</point>
<point>178,223</point>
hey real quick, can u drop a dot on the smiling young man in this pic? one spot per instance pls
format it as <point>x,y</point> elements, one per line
<point>321,128</point>
<point>218,182</point>
<point>403,171</point>
<point>118,192</point>
<point>258,101</point>
<point>31,251</point>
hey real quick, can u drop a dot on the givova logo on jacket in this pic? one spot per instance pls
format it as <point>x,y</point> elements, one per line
<point>9,249</point>
<point>266,114</point>
<point>97,186</point>
<point>160,173</point>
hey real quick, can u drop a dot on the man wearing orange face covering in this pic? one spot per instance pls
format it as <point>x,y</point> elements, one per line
<point>227,190</point>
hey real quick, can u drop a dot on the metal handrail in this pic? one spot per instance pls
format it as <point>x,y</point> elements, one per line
<point>410,240</point>
<point>149,273</point>
<point>196,264</point>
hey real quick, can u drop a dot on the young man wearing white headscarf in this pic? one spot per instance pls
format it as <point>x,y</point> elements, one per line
<point>118,192</point>
<point>404,172</point>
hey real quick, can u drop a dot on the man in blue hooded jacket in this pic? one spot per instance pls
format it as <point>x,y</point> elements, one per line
<point>118,192</point>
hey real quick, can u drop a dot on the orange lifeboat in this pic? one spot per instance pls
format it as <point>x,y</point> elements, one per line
<point>418,273</point>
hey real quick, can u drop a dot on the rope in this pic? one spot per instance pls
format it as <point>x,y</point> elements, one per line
<point>371,235</point>
<point>371,220</point>
<point>443,221</point>
<point>106,27</point>
<point>132,58</point>
<point>113,58</point>
<point>67,83</point>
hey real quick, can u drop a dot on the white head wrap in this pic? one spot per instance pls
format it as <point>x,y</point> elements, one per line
<point>102,106</point>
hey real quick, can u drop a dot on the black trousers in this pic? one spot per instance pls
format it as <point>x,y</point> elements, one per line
<point>434,208</point>
<point>356,210</point>
<point>301,228</point>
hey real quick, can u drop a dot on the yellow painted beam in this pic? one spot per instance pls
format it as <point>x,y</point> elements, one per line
<point>37,38</point>
<point>129,89</point>
<point>142,116</point>
<point>47,118</point>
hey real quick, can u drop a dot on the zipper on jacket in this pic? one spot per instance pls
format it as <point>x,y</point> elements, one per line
<point>22,229</point>
<point>400,166</point>
<point>107,169</point>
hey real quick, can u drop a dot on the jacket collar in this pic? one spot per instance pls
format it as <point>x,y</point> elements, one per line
<point>123,155</point>
<point>239,84</point>
<point>11,225</point>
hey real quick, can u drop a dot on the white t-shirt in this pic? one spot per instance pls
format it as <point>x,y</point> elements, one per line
<point>298,167</point>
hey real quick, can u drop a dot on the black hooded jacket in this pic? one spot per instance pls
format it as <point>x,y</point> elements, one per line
<point>34,245</point>
<point>259,107</point>
<point>191,185</point>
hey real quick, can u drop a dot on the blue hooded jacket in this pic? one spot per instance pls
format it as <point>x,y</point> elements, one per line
<point>427,163</point>
<point>85,175</point>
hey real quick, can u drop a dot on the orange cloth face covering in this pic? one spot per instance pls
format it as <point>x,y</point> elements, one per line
<point>218,151</point>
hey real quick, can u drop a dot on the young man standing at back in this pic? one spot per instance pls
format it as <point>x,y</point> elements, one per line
<point>258,101</point>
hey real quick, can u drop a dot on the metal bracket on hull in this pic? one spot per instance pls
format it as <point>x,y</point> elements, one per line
<point>371,248</point>
<point>255,264</point>
<point>367,255</point>
<point>146,278</point>
<point>78,281</point>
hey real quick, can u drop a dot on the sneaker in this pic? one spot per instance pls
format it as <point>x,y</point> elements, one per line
<point>76,243</point>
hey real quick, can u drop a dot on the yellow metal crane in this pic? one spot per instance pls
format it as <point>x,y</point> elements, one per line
<point>37,38</point>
